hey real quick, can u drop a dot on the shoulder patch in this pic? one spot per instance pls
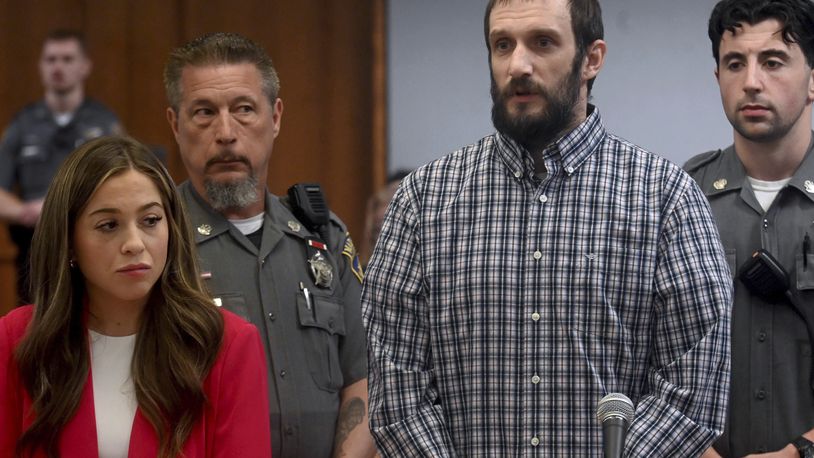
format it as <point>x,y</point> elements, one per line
<point>349,251</point>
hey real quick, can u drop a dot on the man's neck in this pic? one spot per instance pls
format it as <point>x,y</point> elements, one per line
<point>775,160</point>
<point>67,102</point>
<point>246,212</point>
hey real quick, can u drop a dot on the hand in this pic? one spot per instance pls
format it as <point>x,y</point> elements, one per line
<point>711,453</point>
<point>30,213</point>
<point>789,451</point>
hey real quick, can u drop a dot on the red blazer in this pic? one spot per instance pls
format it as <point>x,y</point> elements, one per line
<point>235,421</point>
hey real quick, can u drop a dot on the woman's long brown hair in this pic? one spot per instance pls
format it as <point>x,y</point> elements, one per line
<point>180,331</point>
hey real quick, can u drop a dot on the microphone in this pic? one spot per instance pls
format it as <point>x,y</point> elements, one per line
<point>615,413</point>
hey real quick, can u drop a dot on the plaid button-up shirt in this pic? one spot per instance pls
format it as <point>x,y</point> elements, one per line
<point>500,308</point>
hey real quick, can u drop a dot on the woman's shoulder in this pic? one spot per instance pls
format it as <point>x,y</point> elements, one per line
<point>16,322</point>
<point>234,325</point>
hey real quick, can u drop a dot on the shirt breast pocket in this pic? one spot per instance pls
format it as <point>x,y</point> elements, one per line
<point>233,302</point>
<point>323,325</point>
<point>732,261</point>
<point>805,271</point>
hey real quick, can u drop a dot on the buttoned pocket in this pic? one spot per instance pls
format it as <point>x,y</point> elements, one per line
<point>323,322</point>
<point>233,302</point>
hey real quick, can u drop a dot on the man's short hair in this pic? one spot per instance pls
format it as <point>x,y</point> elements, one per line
<point>68,35</point>
<point>796,16</point>
<point>218,49</point>
<point>586,23</point>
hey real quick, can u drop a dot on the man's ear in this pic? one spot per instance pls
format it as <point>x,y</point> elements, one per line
<point>87,67</point>
<point>277,115</point>
<point>172,118</point>
<point>594,60</point>
<point>811,86</point>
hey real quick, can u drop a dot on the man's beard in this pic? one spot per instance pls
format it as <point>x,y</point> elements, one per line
<point>231,195</point>
<point>536,131</point>
<point>234,194</point>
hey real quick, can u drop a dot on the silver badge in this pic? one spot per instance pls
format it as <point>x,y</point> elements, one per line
<point>30,151</point>
<point>294,226</point>
<point>321,270</point>
<point>809,185</point>
<point>204,229</point>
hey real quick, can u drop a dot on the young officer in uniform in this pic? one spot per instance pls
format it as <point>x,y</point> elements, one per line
<point>43,134</point>
<point>761,190</point>
<point>300,286</point>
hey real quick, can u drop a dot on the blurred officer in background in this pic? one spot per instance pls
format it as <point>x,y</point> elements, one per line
<point>42,134</point>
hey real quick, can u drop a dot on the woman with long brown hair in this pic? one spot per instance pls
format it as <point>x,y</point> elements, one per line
<point>123,354</point>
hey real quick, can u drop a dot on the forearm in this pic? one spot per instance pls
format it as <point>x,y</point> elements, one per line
<point>11,207</point>
<point>352,437</point>
<point>409,422</point>
<point>685,409</point>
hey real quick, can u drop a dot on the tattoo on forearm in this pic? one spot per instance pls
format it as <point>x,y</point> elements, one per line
<point>349,417</point>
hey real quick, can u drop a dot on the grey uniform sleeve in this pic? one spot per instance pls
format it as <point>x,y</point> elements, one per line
<point>353,347</point>
<point>9,146</point>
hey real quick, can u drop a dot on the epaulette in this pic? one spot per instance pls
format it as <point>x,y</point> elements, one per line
<point>696,162</point>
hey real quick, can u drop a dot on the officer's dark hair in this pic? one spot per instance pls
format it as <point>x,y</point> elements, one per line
<point>796,17</point>
<point>586,23</point>
<point>217,49</point>
<point>68,35</point>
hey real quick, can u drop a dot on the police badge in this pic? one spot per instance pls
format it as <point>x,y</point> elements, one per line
<point>321,270</point>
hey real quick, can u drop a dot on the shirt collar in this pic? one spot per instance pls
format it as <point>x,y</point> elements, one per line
<point>208,222</point>
<point>731,175</point>
<point>803,178</point>
<point>568,153</point>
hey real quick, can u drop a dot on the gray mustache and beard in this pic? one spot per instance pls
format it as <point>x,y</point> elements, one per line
<point>234,194</point>
<point>536,131</point>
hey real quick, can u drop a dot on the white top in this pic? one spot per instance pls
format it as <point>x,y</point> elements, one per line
<point>766,191</point>
<point>249,225</point>
<point>114,396</point>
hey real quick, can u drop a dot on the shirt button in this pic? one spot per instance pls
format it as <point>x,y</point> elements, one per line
<point>535,316</point>
<point>761,337</point>
<point>535,441</point>
<point>569,170</point>
<point>283,373</point>
<point>535,379</point>
<point>518,174</point>
<point>543,198</point>
<point>760,395</point>
<point>272,316</point>
<point>537,255</point>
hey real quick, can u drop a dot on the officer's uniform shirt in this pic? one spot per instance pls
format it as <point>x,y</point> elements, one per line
<point>32,149</point>
<point>34,145</point>
<point>313,350</point>
<point>771,401</point>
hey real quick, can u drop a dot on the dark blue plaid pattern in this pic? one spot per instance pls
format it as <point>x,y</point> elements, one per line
<point>500,308</point>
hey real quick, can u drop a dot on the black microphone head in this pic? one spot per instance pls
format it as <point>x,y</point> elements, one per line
<point>615,405</point>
